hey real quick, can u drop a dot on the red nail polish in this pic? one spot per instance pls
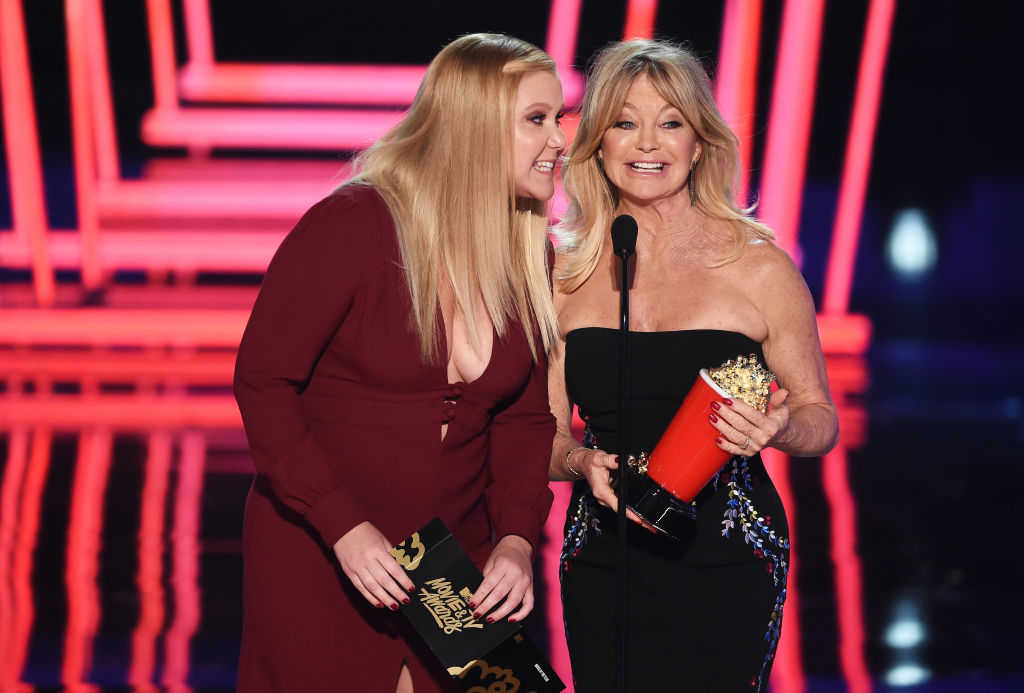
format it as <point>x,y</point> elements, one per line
<point>394,607</point>
<point>379,605</point>
<point>405,600</point>
<point>472,605</point>
<point>718,440</point>
<point>476,614</point>
<point>716,406</point>
<point>490,619</point>
<point>714,419</point>
<point>728,401</point>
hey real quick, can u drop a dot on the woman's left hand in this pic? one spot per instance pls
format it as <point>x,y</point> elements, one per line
<point>744,430</point>
<point>508,576</point>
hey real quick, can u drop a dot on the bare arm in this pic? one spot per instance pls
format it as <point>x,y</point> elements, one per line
<point>561,408</point>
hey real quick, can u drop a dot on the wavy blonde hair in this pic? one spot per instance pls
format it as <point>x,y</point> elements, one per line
<point>445,172</point>
<point>681,80</point>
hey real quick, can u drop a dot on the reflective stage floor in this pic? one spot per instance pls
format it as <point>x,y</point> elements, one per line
<point>120,516</point>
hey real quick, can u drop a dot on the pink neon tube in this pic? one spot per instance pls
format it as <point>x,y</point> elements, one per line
<point>857,165</point>
<point>14,470</point>
<point>185,575</point>
<point>789,122</point>
<point>131,327</point>
<point>846,564</point>
<point>736,80</point>
<point>198,32</point>
<point>640,17</point>
<point>82,143</point>
<point>25,172</point>
<point>161,43</point>
<point>24,555</point>
<point>788,671</point>
<point>107,166</point>
<point>82,563</point>
<point>135,412</point>
<point>150,571</point>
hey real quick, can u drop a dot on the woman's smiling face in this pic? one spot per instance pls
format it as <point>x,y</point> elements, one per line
<point>648,151</point>
<point>539,140</point>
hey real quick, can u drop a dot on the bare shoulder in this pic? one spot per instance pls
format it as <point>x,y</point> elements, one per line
<point>770,273</point>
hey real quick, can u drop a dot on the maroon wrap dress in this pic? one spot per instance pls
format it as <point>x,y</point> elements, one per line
<point>344,422</point>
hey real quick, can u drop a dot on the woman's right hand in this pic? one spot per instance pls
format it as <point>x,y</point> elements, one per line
<point>597,467</point>
<point>365,557</point>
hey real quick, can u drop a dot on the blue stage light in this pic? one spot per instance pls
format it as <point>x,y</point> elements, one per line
<point>907,675</point>
<point>911,249</point>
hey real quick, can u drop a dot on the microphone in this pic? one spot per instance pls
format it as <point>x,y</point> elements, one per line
<point>624,231</point>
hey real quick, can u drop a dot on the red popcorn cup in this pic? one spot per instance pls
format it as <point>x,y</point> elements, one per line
<point>662,486</point>
<point>686,457</point>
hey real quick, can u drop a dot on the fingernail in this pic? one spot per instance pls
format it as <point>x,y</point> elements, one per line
<point>718,440</point>
<point>405,600</point>
<point>714,419</point>
<point>476,614</point>
<point>490,619</point>
<point>727,401</point>
<point>472,605</point>
<point>379,605</point>
<point>716,406</point>
<point>513,619</point>
<point>394,607</point>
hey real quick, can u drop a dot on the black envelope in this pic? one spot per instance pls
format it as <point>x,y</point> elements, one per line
<point>475,653</point>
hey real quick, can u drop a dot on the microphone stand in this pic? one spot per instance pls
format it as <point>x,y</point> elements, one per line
<point>624,250</point>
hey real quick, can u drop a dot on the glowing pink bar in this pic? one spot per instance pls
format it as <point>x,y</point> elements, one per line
<point>198,31</point>
<point>150,570</point>
<point>736,80</point>
<point>185,575</point>
<point>25,172</point>
<point>82,141</point>
<point>10,492</point>
<point>24,556</point>
<point>85,529</point>
<point>283,199</point>
<point>241,128</point>
<point>847,570</point>
<point>161,50</point>
<point>844,334</point>
<point>788,671</point>
<point>381,85</point>
<point>789,123</point>
<point>101,101</point>
<point>128,412</point>
<point>640,17</point>
<point>563,30</point>
<point>856,167</point>
<point>558,652</point>
<point>106,327</point>
<point>189,251</point>
<point>372,85</point>
<point>103,366</point>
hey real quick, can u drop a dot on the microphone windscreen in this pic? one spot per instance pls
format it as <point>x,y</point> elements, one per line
<point>624,231</point>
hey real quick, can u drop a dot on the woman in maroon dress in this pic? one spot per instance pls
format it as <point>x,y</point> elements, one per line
<point>394,369</point>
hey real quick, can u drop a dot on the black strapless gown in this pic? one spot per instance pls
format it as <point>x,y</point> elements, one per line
<point>706,612</point>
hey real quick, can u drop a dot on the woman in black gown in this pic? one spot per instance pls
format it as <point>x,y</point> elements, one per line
<point>708,285</point>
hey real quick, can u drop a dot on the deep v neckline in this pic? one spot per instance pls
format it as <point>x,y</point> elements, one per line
<point>447,357</point>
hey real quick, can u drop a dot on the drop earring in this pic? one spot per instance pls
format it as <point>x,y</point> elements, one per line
<point>689,184</point>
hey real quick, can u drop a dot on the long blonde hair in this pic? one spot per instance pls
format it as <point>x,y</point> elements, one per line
<point>681,80</point>
<point>445,172</point>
